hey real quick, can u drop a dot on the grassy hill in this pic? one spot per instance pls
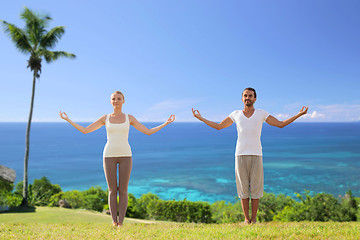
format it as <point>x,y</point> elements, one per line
<point>59,223</point>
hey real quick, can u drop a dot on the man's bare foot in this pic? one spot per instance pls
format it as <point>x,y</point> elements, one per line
<point>119,224</point>
<point>253,221</point>
<point>115,224</point>
<point>247,222</point>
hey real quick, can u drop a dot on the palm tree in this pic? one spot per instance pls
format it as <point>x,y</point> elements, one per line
<point>34,40</point>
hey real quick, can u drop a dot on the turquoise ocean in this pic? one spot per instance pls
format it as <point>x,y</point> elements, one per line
<point>191,160</point>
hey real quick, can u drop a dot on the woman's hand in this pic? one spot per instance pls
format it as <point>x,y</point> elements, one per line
<point>171,119</point>
<point>92,127</point>
<point>140,127</point>
<point>196,113</point>
<point>64,116</point>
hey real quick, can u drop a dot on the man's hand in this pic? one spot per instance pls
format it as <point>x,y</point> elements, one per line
<point>196,113</point>
<point>302,111</point>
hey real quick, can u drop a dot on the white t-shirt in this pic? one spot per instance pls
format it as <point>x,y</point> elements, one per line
<point>249,131</point>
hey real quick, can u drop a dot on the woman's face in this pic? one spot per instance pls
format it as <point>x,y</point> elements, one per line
<point>117,100</point>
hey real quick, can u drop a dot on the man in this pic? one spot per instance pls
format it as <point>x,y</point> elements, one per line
<point>248,155</point>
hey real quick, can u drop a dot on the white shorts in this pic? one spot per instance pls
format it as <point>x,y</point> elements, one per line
<point>249,176</point>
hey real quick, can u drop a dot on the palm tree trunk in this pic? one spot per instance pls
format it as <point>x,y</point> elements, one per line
<point>27,144</point>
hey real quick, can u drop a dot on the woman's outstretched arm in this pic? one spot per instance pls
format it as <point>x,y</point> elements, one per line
<point>92,127</point>
<point>140,127</point>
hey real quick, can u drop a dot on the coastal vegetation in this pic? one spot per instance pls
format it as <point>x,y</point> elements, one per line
<point>307,207</point>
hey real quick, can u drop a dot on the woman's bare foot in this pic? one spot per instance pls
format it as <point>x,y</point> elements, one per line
<point>119,224</point>
<point>115,224</point>
<point>247,222</point>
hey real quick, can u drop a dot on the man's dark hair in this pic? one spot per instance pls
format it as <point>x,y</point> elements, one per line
<point>251,89</point>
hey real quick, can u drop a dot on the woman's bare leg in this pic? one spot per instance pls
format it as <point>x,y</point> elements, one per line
<point>111,179</point>
<point>125,167</point>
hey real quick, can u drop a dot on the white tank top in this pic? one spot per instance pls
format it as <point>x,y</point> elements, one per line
<point>117,138</point>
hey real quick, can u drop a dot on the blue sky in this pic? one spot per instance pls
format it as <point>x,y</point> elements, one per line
<point>169,56</point>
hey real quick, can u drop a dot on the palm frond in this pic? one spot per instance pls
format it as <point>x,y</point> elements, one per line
<point>51,56</point>
<point>35,25</point>
<point>50,39</point>
<point>18,36</point>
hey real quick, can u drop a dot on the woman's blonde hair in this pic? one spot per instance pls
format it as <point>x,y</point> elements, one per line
<point>118,92</point>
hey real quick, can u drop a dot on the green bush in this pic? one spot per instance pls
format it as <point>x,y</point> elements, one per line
<point>18,188</point>
<point>271,204</point>
<point>5,187</point>
<point>40,192</point>
<point>357,201</point>
<point>310,207</point>
<point>319,207</point>
<point>138,208</point>
<point>106,207</point>
<point>132,209</point>
<point>74,198</point>
<point>142,204</point>
<point>94,199</point>
<point>349,208</point>
<point>54,199</point>
<point>179,211</point>
<point>223,212</point>
<point>6,198</point>
<point>13,200</point>
<point>198,212</point>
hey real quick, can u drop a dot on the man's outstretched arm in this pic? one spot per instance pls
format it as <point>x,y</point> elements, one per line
<point>274,122</point>
<point>224,124</point>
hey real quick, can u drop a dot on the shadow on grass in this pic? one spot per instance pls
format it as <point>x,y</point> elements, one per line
<point>28,209</point>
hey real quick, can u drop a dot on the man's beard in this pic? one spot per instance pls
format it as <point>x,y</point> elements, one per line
<point>249,103</point>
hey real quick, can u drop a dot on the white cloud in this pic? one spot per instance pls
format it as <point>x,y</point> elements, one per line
<point>337,108</point>
<point>282,116</point>
<point>327,113</point>
<point>315,115</point>
<point>340,112</point>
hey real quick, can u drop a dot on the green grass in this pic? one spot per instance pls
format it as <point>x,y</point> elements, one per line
<point>59,223</point>
<point>56,215</point>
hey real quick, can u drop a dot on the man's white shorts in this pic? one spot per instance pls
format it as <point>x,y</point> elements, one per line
<point>249,174</point>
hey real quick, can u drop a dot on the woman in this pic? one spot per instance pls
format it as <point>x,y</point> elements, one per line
<point>117,151</point>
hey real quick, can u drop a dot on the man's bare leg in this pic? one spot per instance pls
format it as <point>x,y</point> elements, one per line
<point>254,209</point>
<point>245,208</point>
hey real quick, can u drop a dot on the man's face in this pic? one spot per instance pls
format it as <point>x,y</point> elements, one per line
<point>248,98</point>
